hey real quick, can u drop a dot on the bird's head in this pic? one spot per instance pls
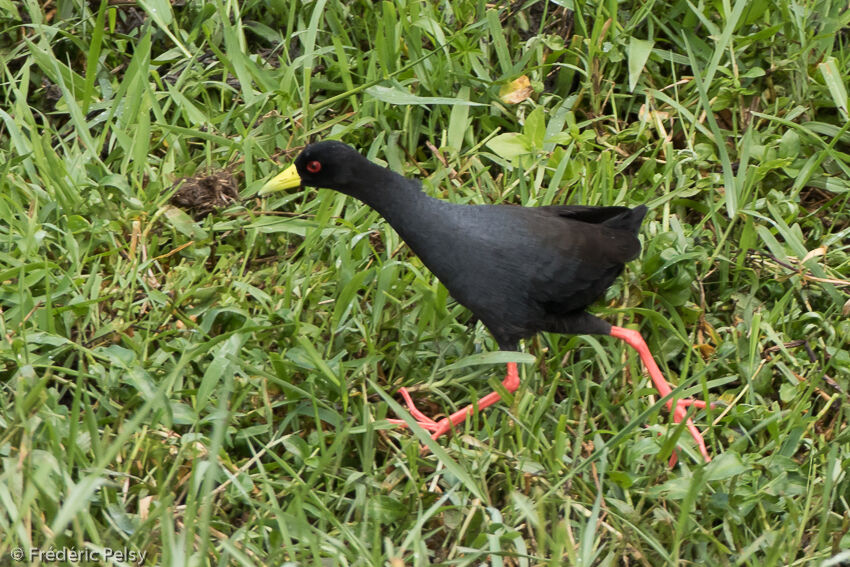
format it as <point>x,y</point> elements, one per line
<point>328,164</point>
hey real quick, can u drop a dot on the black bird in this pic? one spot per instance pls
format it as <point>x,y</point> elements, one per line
<point>520,270</point>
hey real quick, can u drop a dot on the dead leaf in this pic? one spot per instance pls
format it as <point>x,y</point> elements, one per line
<point>819,251</point>
<point>144,507</point>
<point>516,91</point>
<point>706,350</point>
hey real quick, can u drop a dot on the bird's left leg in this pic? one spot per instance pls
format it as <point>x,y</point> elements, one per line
<point>438,428</point>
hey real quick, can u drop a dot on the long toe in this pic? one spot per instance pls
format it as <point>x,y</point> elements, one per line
<point>698,438</point>
<point>443,427</point>
<point>423,420</point>
<point>698,403</point>
<point>414,411</point>
<point>695,433</point>
<point>679,415</point>
<point>429,425</point>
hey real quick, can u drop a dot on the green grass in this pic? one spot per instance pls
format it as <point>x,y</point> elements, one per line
<point>212,391</point>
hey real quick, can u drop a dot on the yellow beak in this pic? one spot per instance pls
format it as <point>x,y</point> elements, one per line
<point>286,179</point>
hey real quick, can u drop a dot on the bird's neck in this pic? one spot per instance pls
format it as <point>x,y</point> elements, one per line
<point>387,192</point>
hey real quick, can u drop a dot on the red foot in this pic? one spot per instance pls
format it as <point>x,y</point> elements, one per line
<point>438,428</point>
<point>635,341</point>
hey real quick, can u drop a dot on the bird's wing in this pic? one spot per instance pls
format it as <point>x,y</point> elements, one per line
<point>615,217</point>
<point>600,235</point>
<point>581,255</point>
<point>592,215</point>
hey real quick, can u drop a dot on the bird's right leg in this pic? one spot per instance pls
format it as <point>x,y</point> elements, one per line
<point>635,340</point>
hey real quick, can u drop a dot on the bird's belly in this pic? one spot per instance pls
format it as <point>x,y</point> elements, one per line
<point>494,289</point>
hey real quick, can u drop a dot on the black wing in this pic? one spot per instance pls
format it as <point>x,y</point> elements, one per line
<point>614,217</point>
<point>588,249</point>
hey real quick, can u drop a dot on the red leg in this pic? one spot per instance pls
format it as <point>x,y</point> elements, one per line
<point>511,383</point>
<point>635,341</point>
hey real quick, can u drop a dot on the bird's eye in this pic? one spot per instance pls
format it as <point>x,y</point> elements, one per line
<point>314,166</point>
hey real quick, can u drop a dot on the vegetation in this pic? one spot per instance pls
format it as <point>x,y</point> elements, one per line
<point>203,376</point>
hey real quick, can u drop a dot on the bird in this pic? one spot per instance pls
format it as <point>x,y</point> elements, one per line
<point>519,270</point>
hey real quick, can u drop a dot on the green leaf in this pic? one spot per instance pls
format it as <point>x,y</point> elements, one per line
<point>832,78</point>
<point>725,465</point>
<point>459,122</point>
<point>77,223</point>
<point>347,298</point>
<point>638,52</point>
<point>220,368</point>
<point>676,488</point>
<point>500,44</point>
<point>754,73</point>
<point>534,128</point>
<point>398,96</point>
<point>789,144</point>
<point>510,145</point>
<point>161,13</point>
<point>787,392</point>
<point>77,500</point>
<point>183,223</point>
<point>320,364</point>
<point>496,357</point>
<point>194,115</point>
<point>278,225</point>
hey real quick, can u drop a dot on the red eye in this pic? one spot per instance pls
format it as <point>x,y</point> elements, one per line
<point>314,166</point>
